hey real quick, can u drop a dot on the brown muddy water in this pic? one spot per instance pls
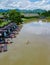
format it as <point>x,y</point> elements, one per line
<point>31,46</point>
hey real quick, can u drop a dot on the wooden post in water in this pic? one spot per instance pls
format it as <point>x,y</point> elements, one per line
<point>5,47</point>
<point>0,47</point>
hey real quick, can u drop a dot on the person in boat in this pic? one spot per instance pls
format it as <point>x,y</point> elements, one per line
<point>4,37</point>
<point>8,33</point>
<point>15,29</point>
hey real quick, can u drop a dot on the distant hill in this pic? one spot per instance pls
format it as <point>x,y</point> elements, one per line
<point>38,11</point>
<point>2,10</point>
<point>26,11</point>
<point>33,11</point>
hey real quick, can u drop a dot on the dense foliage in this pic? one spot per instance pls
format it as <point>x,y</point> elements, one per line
<point>46,14</point>
<point>14,16</point>
<point>1,21</point>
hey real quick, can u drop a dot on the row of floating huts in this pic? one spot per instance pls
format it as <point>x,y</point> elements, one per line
<point>7,32</point>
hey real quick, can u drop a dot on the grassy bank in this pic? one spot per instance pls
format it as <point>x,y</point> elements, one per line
<point>25,20</point>
<point>47,19</point>
<point>4,23</point>
<point>29,20</point>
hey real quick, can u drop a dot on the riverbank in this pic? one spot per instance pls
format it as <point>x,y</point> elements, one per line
<point>27,48</point>
<point>29,19</point>
<point>47,19</point>
<point>4,23</point>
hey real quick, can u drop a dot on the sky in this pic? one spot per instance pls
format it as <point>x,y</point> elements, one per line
<point>25,4</point>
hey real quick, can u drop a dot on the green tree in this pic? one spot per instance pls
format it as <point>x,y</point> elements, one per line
<point>46,13</point>
<point>5,15</point>
<point>15,16</point>
<point>49,13</point>
<point>1,21</point>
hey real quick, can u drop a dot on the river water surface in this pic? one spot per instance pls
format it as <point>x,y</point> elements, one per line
<point>30,47</point>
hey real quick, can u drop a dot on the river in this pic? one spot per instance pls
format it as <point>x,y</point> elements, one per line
<point>31,46</point>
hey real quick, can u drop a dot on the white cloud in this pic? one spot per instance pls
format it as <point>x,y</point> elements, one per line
<point>24,4</point>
